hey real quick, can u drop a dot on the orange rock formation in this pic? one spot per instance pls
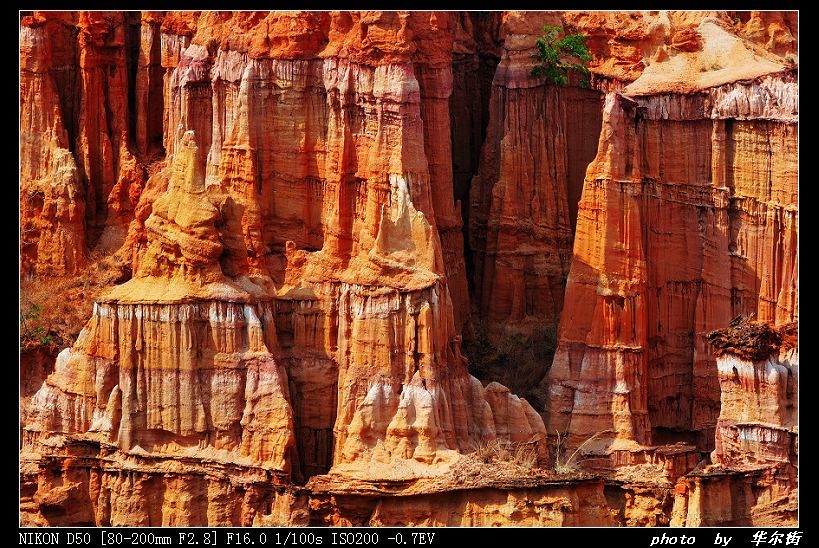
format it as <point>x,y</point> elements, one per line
<point>669,247</point>
<point>317,207</point>
<point>523,200</point>
<point>756,435</point>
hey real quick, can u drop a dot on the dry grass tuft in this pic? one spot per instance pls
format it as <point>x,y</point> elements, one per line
<point>569,466</point>
<point>516,453</point>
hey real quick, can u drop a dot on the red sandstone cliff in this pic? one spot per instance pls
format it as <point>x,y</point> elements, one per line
<point>669,247</point>
<point>291,193</point>
<point>289,307</point>
<point>523,200</point>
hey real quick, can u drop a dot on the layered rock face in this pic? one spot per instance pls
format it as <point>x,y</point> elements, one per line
<point>329,234</point>
<point>670,246</point>
<point>52,197</point>
<point>91,486</point>
<point>541,138</point>
<point>80,179</point>
<point>755,462</point>
<point>762,497</point>
<point>759,411</point>
<point>315,209</point>
<point>553,504</point>
<point>170,376</point>
<point>91,483</point>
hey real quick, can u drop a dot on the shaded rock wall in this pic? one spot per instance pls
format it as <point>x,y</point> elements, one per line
<point>539,140</point>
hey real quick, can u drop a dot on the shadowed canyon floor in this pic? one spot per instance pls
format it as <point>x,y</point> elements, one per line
<point>364,268</point>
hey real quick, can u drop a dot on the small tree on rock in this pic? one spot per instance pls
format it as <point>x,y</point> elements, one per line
<point>559,56</point>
